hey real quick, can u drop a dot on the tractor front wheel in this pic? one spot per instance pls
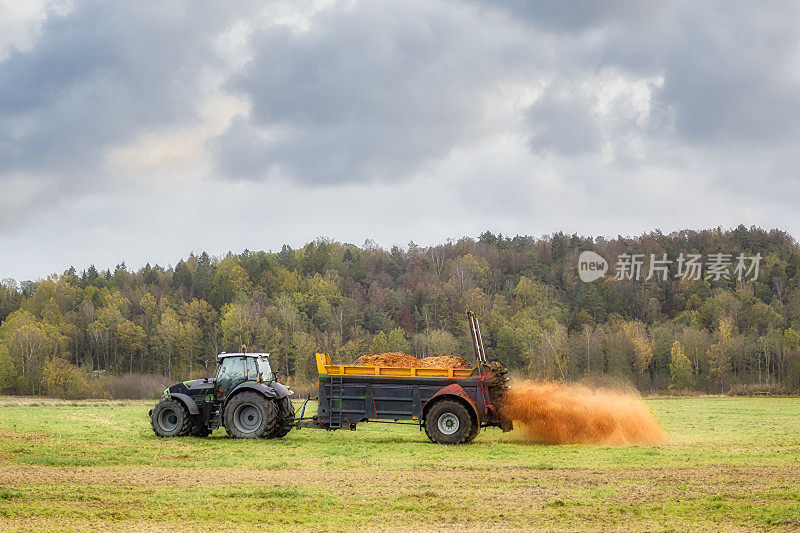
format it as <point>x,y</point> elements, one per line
<point>170,418</point>
<point>248,415</point>
<point>449,422</point>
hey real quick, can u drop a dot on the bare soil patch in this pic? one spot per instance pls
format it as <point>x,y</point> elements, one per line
<point>32,401</point>
<point>148,476</point>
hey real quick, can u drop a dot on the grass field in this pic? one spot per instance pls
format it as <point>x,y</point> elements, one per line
<point>731,464</point>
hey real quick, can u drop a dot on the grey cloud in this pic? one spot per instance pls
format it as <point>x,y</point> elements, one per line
<point>731,73</point>
<point>369,93</point>
<point>565,123</point>
<point>738,80</point>
<point>377,91</point>
<point>579,15</point>
<point>96,78</point>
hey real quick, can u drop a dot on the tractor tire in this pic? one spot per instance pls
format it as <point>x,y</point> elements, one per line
<point>248,415</point>
<point>449,422</point>
<point>285,419</point>
<point>170,418</point>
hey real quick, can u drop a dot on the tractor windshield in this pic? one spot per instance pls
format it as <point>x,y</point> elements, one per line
<point>232,371</point>
<point>231,368</point>
<point>264,370</point>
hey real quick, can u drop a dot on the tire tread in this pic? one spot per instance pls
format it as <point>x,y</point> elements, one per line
<point>256,399</point>
<point>455,407</point>
<point>186,424</point>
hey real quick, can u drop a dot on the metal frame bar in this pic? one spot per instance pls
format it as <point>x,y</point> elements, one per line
<point>477,338</point>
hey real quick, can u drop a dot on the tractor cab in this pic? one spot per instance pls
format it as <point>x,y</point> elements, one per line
<point>237,368</point>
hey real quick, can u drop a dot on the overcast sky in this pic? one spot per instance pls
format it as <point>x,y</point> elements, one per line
<point>145,131</point>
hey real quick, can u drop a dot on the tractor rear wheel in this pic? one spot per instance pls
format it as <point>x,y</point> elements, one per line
<point>285,419</point>
<point>449,422</point>
<point>248,415</point>
<point>170,418</point>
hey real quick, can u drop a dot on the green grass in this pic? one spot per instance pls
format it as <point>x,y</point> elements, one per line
<point>731,463</point>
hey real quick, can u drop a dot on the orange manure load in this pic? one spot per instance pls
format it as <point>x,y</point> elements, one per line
<point>404,360</point>
<point>444,361</point>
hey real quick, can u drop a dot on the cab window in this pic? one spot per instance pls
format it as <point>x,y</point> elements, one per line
<point>265,370</point>
<point>231,373</point>
<point>252,370</point>
<point>232,367</point>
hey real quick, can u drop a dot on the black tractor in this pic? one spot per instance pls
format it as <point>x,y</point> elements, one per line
<point>244,397</point>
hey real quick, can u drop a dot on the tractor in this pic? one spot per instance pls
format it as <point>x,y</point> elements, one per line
<point>244,397</point>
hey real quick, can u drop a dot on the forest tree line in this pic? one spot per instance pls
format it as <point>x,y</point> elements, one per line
<point>537,317</point>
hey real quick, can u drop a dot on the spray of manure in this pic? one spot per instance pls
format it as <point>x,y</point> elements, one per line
<point>557,413</point>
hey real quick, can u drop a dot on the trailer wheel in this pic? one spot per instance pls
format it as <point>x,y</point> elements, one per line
<point>170,418</point>
<point>474,433</point>
<point>448,422</point>
<point>248,415</point>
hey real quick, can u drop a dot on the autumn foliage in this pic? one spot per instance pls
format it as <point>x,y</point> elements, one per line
<point>537,317</point>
